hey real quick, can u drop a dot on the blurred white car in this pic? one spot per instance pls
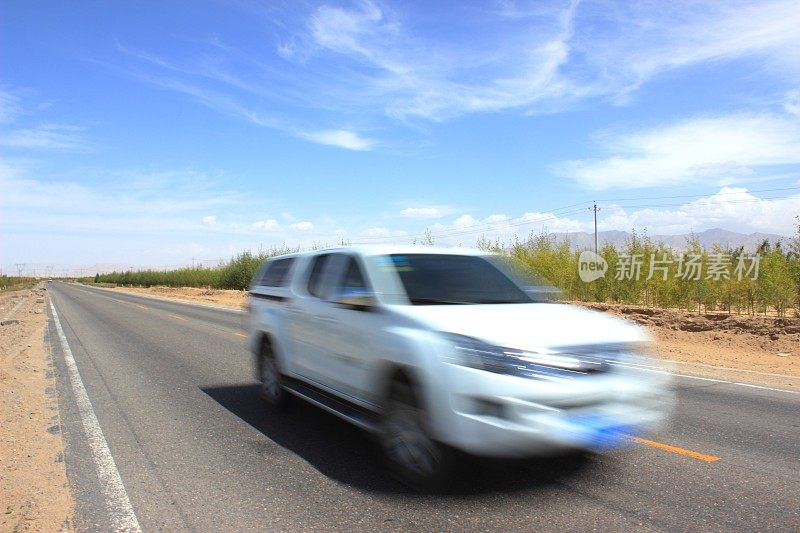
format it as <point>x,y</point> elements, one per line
<point>440,349</point>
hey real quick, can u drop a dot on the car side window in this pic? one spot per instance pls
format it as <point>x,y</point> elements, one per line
<point>315,278</point>
<point>353,278</point>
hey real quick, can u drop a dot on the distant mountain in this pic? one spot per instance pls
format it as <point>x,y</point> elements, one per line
<point>582,240</point>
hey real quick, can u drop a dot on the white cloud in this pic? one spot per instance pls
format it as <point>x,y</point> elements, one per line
<point>496,219</point>
<point>536,221</point>
<point>422,212</point>
<point>269,224</point>
<point>464,221</point>
<point>210,220</point>
<point>717,148</point>
<point>732,208</point>
<point>341,138</point>
<point>304,225</point>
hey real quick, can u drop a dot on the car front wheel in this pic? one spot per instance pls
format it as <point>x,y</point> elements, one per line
<point>414,457</point>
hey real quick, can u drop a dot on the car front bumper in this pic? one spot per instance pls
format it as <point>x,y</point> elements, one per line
<point>505,416</point>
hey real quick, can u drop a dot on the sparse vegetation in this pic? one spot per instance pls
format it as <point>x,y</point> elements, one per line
<point>15,282</point>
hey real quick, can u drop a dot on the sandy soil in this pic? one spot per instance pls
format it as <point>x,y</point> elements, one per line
<point>754,346</point>
<point>34,492</point>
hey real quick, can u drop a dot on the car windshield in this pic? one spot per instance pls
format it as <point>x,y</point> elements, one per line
<point>440,279</point>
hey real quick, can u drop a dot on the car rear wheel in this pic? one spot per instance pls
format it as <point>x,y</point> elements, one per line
<point>271,390</point>
<point>414,457</point>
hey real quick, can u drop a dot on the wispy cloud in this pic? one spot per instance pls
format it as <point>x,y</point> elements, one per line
<point>371,60</point>
<point>679,34</point>
<point>10,106</point>
<point>720,149</point>
<point>542,58</point>
<point>341,138</point>
<point>57,137</point>
<point>411,75</point>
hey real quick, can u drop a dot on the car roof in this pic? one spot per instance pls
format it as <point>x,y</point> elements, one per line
<point>387,249</point>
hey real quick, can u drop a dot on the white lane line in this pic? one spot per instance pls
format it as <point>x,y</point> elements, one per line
<point>119,506</point>
<point>645,368</point>
<point>763,387</point>
<point>732,369</point>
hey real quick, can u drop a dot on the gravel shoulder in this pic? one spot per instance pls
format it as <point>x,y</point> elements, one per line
<point>34,491</point>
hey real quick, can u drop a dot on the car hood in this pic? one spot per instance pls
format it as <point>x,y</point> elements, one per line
<point>531,327</point>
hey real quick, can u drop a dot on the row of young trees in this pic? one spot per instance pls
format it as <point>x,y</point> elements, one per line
<point>643,272</point>
<point>640,272</point>
<point>235,274</point>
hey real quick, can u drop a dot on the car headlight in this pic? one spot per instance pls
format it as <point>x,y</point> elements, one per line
<point>474,353</point>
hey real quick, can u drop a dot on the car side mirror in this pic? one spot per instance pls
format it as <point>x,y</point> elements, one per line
<point>353,298</point>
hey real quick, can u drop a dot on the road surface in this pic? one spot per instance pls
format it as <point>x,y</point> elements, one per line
<point>172,391</point>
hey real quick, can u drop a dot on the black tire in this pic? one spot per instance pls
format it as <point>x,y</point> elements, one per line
<point>272,390</point>
<point>412,455</point>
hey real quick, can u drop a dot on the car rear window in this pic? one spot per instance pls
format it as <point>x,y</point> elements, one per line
<point>276,272</point>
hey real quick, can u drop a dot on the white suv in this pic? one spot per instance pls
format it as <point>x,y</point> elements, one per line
<point>441,349</point>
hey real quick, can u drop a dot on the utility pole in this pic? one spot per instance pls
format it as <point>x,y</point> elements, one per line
<point>595,209</point>
<point>20,268</point>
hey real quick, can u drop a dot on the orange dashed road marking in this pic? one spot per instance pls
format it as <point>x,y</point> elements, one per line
<point>176,317</point>
<point>239,334</point>
<point>675,449</point>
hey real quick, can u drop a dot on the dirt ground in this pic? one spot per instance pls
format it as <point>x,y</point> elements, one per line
<point>747,348</point>
<point>34,492</point>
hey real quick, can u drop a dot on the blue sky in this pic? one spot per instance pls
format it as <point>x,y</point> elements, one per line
<point>149,133</point>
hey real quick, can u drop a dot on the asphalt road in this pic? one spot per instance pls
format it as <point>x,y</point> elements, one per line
<point>173,390</point>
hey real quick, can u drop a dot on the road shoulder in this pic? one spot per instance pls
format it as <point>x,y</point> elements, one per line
<point>34,490</point>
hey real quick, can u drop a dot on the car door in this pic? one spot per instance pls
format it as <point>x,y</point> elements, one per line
<point>356,333</point>
<point>311,326</point>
